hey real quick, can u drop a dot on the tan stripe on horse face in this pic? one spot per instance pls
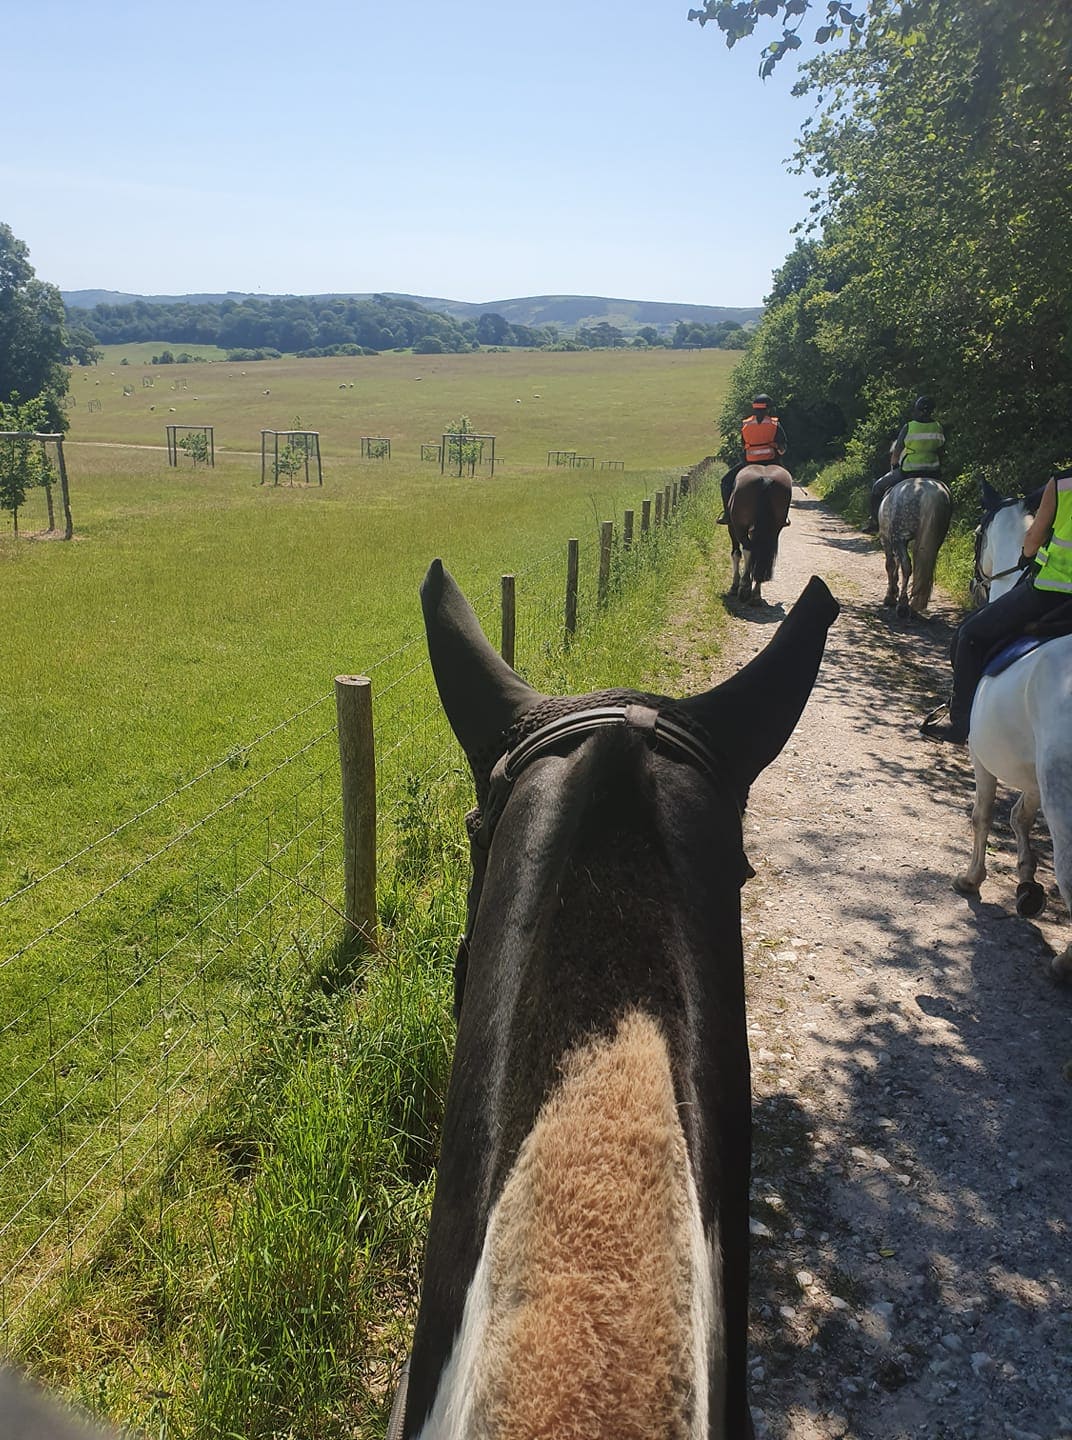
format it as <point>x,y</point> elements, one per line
<point>598,1274</point>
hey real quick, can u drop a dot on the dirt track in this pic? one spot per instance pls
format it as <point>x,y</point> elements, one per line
<point>911,1055</point>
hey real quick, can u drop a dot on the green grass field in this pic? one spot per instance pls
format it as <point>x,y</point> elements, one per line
<point>648,408</point>
<point>196,611</point>
<point>196,607</point>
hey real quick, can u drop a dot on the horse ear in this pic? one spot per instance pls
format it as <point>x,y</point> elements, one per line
<point>481,695</point>
<point>992,499</point>
<point>751,716</point>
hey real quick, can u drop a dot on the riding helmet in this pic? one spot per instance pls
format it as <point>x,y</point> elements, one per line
<point>762,402</point>
<point>923,409</point>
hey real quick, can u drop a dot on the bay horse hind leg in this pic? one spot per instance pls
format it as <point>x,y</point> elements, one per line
<point>735,583</point>
<point>986,788</point>
<point>746,592</point>
<point>1030,896</point>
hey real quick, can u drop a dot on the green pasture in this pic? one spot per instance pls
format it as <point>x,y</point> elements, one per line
<point>647,408</point>
<point>268,1288</point>
<point>195,612</point>
<point>195,607</point>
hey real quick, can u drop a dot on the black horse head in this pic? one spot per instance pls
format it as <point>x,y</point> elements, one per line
<point>588,1249</point>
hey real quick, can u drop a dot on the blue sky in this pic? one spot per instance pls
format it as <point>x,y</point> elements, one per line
<point>474,150</point>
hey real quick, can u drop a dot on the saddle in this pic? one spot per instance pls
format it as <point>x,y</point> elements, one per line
<point>1051,627</point>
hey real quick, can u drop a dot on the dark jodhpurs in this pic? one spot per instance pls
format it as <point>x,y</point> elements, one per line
<point>882,487</point>
<point>727,482</point>
<point>1002,620</point>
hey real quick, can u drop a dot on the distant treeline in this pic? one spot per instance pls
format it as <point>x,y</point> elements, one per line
<point>304,325</point>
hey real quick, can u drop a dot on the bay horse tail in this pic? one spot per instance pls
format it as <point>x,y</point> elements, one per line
<point>766,528</point>
<point>935,512</point>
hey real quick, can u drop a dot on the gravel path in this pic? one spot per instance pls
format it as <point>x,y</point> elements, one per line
<point>911,1057</point>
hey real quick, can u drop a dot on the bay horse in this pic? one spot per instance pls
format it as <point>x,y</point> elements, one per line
<point>1020,731</point>
<point>915,513</point>
<point>586,1270</point>
<point>757,513</point>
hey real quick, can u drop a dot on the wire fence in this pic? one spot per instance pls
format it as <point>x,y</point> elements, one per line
<point>129,972</point>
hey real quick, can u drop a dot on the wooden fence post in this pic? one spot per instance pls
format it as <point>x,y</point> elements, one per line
<point>572,570</point>
<point>658,508</point>
<point>685,484</point>
<point>357,761</point>
<point>666,502</point>
<point>675,497</point>
<point>627,530</point>
<point>65,492</point>
<point>645,517</point>
<point>509,620</point>
<point>606,542</point>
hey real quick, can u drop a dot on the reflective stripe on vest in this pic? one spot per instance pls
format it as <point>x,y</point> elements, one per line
<point>923,440</point>
<point>759,437</point>
<point>1056,572</point>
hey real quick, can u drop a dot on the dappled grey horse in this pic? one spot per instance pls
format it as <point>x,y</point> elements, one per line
<point>586,1272</point>
<point>913,520</point>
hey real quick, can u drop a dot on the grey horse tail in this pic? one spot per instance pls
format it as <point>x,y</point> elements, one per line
<point>933,523</point>
<point>764,533</point>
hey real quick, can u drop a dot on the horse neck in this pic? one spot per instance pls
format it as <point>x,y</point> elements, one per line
<point>1003,542</point>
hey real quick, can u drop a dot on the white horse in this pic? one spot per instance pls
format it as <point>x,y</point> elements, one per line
<point>1020,731</point>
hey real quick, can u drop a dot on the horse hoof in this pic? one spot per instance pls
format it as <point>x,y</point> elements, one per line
<point>903,611</point>
<point>1030,899</point>
<point>756,599</point>
<point>965,886</point>
<point>890,600</point>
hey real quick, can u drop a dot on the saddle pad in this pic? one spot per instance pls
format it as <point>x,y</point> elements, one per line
<point>1007,655</point>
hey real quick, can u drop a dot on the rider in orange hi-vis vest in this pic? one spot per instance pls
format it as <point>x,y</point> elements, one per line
<point>764,444</point>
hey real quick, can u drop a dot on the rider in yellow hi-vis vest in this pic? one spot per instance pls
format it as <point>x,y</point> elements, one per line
<point>1030,599</point>
<point>914,452</point>
<point>764,444</point>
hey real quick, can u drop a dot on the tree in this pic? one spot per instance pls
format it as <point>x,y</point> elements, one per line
<point>739,18</point>
<point>493,329</point>
<point>602,336</point>
<point>195,443</point>
<point>33,346</point>
<point>22,464</point>
<point>82,347</point>
<point>939,258</point>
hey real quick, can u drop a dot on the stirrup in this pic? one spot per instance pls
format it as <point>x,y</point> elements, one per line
<point>933,715</point>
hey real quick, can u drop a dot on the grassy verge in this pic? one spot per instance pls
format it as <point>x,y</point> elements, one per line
<point>268,1288</point>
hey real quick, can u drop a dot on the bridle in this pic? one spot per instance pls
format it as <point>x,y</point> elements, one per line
<point>660,730</point>
<point>980,579</point>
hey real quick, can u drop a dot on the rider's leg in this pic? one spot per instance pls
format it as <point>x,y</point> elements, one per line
<point>1003,619</point>
<point>727,483</point>
<point>880,488</point>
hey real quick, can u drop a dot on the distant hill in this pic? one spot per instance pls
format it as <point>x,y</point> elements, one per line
<point>566,311</point>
